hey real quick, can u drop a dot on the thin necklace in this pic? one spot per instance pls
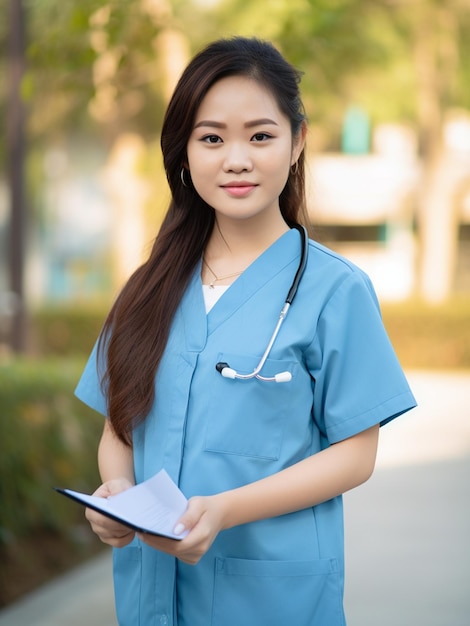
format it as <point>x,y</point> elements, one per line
<point>217,278</point>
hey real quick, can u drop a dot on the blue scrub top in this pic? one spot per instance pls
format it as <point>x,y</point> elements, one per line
<point>212,434</point>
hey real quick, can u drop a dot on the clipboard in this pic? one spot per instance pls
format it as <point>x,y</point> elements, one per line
<point>153,506</point>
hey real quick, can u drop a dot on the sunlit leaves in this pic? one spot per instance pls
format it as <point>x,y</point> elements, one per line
<point>349,50</point>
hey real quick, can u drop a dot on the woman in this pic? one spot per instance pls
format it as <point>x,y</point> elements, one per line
<point>263,463</point>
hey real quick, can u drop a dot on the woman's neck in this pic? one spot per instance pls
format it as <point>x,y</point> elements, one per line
<point>234,245</point>
<point>240,239</point>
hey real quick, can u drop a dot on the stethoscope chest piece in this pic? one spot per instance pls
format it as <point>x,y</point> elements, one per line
<point>229,372</point>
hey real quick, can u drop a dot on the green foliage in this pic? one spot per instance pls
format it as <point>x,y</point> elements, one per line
<point>64,331</point>
<point>351,51</point>
<point>67,42</point>
<point>59,65</point>
<point>48,438</point>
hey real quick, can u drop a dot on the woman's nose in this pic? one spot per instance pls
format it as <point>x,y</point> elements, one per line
<point>237,159</point>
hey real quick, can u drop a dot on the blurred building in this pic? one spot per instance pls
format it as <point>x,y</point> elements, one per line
<point>368,205</point>
<point>363,203</point>
<point>69,244</point>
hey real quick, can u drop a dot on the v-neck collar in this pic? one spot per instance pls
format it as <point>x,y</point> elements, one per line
<point>198,325</point>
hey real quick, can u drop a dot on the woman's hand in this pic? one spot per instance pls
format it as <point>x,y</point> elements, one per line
<point>203,519</point>
<point>108,530</point>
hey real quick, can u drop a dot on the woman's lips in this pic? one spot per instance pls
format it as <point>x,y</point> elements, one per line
<point>239,190</point>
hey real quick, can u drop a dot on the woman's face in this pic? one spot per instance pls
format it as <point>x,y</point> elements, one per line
<point>241,149</point>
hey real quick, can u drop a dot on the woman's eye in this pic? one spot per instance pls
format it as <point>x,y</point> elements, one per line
<point>211,139</point>
<point>261,137</point>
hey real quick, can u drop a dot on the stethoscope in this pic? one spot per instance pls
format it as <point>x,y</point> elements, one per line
<point>281,377</point>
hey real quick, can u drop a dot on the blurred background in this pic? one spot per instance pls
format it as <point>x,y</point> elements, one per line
<point>83,89</point>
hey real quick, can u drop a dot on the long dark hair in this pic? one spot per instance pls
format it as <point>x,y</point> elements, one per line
<point>136,330</point>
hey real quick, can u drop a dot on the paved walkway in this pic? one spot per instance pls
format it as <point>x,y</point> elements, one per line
<point>83,597</point>
<point>407,529</point>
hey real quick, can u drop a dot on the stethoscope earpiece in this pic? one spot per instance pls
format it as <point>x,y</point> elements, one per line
<point>282,377</point>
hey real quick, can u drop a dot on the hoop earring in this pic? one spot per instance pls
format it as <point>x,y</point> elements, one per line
<point>182,178</point>
<point>294,168</point>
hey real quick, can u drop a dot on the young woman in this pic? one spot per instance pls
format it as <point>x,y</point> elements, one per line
<point>263,459</point>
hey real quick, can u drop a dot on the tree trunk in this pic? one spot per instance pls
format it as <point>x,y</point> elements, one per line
<point>434,59</point>
<point>15,155</point>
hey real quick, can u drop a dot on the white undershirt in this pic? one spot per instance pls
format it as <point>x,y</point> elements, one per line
<point>212,294</point>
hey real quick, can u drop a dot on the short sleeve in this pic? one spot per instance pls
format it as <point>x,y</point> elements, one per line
<point>89,388</point>
<point>358,381</point>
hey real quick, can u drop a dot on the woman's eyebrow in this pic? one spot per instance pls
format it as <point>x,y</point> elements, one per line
<point>261,122</point>
<point>213,124</point>
<point>210,124</point>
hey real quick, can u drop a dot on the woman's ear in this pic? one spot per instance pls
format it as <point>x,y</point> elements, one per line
<point>298,143</point>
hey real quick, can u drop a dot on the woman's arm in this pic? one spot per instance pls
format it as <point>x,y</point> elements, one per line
<point>115,460</point>
<point>322,476</point>
<point>116,466</point>
<point>318,478</point>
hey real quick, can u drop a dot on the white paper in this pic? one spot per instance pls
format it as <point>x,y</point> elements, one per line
<point>153,506</point>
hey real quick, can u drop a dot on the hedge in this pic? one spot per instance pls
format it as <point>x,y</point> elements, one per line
<point>67,330</point>
<point>430,337</point>
<point>48,438</point>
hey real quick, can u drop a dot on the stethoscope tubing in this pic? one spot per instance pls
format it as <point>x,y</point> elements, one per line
<point>302,264</point>
<point>227,371</point>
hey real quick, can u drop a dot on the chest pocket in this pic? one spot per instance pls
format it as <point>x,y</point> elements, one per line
<point>248,417</point>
